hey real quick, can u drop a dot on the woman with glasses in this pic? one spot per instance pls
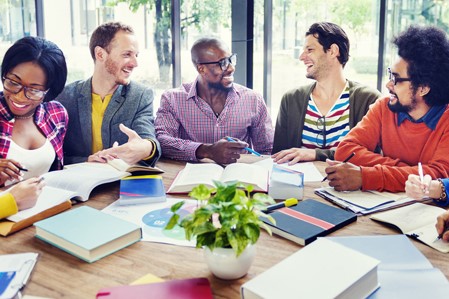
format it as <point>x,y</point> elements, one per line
<point>33,73</point>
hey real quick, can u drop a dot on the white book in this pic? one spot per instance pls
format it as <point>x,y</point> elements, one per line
<point>323,269</point>
<point>205,173</point>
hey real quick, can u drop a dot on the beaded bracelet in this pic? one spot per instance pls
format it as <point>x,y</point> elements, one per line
<point>443,194</point>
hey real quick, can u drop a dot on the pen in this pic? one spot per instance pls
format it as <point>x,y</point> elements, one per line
<point>344,161</point>
<point>421,174</point>
<point>246,148</point>
<point>40,180</point>
<point>21,168</point>
<point>287,203</point>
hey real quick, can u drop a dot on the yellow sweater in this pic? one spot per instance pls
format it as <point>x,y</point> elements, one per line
<point>8,205</point>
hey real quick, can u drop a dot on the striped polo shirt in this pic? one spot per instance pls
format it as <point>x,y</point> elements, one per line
<point>326,131</point>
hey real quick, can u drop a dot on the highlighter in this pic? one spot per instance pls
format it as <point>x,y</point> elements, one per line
<point>287,203</point>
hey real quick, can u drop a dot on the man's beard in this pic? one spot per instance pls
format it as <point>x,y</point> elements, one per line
<point>113,69</point>
<point>218,86</point>
<point>398,107</point>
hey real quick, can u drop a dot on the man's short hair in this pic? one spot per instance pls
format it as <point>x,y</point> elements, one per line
<point>329,33</point>
<point>426,50</point>
<point>104,34</point>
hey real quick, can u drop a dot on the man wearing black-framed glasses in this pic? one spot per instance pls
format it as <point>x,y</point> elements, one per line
<point>194,120</point>
<point>411,125</point>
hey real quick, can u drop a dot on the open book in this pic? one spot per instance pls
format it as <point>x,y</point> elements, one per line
<point>76,182</point>
<point>417,221</point>
<point>205,173</point>
<point>120,165</point>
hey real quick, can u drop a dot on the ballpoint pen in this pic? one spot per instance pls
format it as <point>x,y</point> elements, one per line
<point>287,203</point>
<point>246,148</point>
<point>344,161</point>
<point>421,174</point>
<point>21,168</point>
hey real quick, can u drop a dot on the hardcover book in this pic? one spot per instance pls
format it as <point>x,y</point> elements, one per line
<point>324,269</point>
<point>308,220</point>
<point>87,233</point>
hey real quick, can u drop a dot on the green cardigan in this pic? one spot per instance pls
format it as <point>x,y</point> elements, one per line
<point>292,112</point>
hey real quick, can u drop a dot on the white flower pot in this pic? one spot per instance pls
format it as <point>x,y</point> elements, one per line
<point>224,264</point>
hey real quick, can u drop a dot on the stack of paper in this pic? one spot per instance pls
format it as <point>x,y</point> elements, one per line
<point>364,202</point>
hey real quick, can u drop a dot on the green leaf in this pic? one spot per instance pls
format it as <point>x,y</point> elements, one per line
<point>172,222</point>
<point>174,208</point>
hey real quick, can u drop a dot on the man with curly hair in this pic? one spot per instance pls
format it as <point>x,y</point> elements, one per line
<point>411,125</point>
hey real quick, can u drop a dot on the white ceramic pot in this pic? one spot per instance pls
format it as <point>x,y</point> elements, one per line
<point>224,264</point>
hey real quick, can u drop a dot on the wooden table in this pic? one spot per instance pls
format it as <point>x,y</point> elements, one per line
<point>60,275</point>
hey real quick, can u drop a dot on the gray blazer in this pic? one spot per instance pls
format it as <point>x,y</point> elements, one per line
<point>131,105</point>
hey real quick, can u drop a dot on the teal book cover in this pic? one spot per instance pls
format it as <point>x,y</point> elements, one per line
<point>141,189</point>
<point>87,233</point>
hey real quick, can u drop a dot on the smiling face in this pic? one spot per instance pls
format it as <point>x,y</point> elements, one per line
<point>314,58</point>
<point>402,97</point>
<point>122,57</point>
<point>215,77</point>
<point>30,75</point>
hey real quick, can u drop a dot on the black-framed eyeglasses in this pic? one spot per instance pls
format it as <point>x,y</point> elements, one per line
<point>15,87</point>
<point>394,79</point>
<point>224,63</point>
<point>321,125</point>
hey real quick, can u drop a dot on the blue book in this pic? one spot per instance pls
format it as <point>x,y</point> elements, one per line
<point>87,233</point>
<point>404,272</point>
<point>141,189</point>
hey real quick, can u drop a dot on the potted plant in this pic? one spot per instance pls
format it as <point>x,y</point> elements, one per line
<point>226,224</point>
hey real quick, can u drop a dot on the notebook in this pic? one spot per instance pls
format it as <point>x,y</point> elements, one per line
<point>308,220</point>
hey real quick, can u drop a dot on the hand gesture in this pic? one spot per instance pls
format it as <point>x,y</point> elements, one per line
<point>26,192</point>
<point>132,151</point>
<point>294,155</point>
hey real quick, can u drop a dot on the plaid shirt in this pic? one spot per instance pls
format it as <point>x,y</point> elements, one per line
<point>184,121</point>
<point>50,117</point>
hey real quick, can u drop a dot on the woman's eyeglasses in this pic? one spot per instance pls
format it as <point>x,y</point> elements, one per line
<point>30,93</point>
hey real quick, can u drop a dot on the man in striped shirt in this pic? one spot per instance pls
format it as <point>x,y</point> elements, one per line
<point>314,118</point>
<point>194,120</point>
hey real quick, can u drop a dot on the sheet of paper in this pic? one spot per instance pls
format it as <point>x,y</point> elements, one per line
<point>17,269</point>
<point>365,199</point>
<point>153,218</point>
<point>49,198</point>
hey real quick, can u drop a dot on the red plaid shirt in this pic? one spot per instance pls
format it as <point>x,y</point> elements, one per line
<point>50,117</point>
<point>184,121</point>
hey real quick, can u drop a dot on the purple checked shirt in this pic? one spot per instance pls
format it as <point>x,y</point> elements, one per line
<point>184,121</point>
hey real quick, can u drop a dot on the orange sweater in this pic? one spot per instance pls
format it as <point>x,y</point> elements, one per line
<point>402,147</point>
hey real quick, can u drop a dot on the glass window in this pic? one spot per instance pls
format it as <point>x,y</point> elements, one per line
<point>291,20</point>
<point>17,19</point>
<point>201,18</point>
